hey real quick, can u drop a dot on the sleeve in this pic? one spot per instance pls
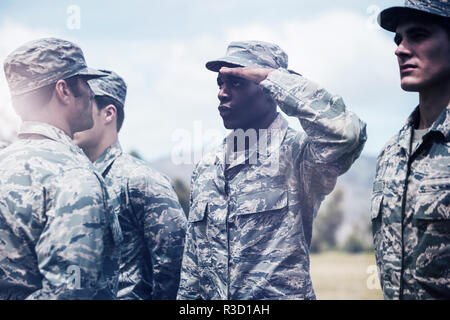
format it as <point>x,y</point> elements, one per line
<point>71,248</point>
<point>190,275</point>
<point>335,136</point>
<point>164,232</point>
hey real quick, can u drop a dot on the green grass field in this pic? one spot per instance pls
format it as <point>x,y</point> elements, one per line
<point>343,276</point>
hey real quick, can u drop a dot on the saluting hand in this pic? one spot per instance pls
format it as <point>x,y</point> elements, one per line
<point>253,73</point>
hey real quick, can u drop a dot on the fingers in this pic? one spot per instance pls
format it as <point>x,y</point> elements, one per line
<point>253,73</point>
<point>236,72</point>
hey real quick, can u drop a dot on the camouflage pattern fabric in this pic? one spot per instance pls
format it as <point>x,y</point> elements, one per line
<point>251,53</point>
<point>43,62</point>
<point>411,213</point>
<point>250,225</point>
<point>388,18</point>
<point>153,224</point>
<point>112,86</point>
<point>58,239</point>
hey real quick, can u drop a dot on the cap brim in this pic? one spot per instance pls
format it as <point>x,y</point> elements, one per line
<point>90,73</point>
<point>388,18</point>
<point>229,62</point>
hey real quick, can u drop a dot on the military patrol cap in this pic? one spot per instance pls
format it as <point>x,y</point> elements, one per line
<point>112,86</point>
<point>251,53</point>
<point>42,62</point>
<point>388,18</point>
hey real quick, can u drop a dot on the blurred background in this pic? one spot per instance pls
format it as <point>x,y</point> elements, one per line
<point>161,47</point>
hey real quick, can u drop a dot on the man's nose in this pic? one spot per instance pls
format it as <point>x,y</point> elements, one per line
<point>224,93</point>
<point>402,50</point>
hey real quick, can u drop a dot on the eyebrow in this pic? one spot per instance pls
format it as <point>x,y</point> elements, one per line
<point>409,31</point>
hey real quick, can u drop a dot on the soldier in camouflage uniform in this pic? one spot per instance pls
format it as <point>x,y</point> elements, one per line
<point>253,202</point>
<point>411,193</point>
<point>58,240</point>
<point>153,223</point>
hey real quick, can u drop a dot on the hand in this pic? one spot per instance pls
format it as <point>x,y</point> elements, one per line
<point>253,73</point>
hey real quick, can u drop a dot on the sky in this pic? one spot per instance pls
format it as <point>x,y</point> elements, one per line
<point>160,48</point>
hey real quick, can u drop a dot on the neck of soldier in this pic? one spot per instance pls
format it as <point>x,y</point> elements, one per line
<point>433,101</point>
<point>260,124</point>
<point>106,140</point>
<point>48,116</point>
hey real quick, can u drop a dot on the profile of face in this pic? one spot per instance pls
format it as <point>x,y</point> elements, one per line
<point>88,139</point>
<point>82,107</point>
<point>423,54</point>
<point>243,103</point>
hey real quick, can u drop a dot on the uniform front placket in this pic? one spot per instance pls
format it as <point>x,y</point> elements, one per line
<point>403,174</point>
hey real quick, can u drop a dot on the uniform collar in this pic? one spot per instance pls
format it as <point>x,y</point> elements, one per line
<point>270,139</point>
<point>108,157</point>
<point>29,129</point>
<point>441,125</point>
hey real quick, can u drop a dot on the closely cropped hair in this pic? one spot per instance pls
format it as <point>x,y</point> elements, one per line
<point>104,101</point>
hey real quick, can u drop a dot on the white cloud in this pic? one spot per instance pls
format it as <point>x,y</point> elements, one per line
<point>170,88</point>
<point>12,36</point>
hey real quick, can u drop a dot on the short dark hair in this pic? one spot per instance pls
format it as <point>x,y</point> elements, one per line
<point>104,101</point>
<point>74,85</point>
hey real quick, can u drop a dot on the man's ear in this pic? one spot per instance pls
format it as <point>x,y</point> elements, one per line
<point>62,92</point>
<point>110,113</point>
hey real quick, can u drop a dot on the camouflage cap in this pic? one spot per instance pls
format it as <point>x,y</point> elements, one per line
<point>42,62</point>
<point>112,86</point>
<point>251,53</point>
<point>388,18</point>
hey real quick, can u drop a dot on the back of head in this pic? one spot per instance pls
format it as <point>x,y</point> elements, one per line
<point>110,90</point>
<point>33,69</point>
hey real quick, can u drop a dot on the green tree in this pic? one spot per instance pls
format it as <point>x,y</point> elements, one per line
<point>182,192</point>
<point>327,223</point>
<point>360,239</point>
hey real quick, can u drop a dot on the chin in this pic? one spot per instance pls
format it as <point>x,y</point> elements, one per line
<point>229,125</point>
<point>411,86</point>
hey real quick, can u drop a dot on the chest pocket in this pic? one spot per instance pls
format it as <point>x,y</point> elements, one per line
<point>267,200</point>
<point>433,200</point>
<point>198,220</point>
<point>261,226</point>
<point>432,218</point>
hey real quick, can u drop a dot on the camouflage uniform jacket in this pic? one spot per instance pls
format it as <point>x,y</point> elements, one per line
<point>411,213</point>
<point>153,226</point>
<point>58,240</point>
<point>250,225</point>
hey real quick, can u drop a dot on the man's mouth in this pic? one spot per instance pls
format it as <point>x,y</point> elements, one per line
<point>225,111</point>
<point>407,68</point>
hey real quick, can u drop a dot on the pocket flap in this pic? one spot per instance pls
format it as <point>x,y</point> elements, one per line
<point>262,201</point>
<point>433,210</point>
<point>433,200</point>
<point>375,209</point>
<point>197,212</point>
